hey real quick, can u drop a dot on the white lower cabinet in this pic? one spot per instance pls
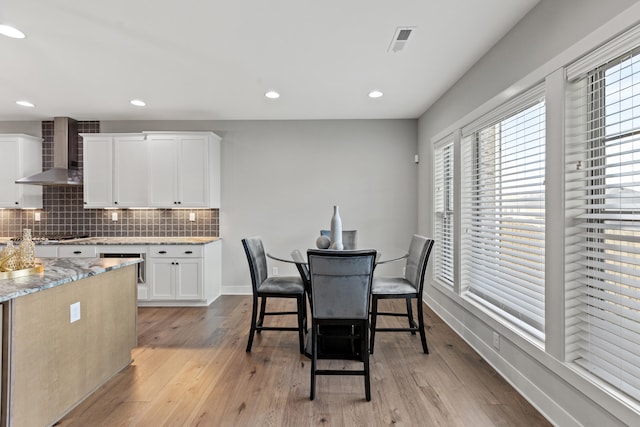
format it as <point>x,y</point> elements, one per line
<point>176,279</point>
<point>171,275</point>
<point>183,274</point>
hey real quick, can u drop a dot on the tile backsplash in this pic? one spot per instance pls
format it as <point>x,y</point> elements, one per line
<point>63,211</point>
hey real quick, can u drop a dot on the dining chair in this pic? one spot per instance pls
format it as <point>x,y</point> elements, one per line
<point>349,238</point>
<point>303,270</point>
<point>408,288</point>
<point>340,289</point>
<point>265,287</point>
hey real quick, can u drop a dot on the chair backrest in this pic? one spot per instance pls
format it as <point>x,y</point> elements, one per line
<point>349,238</point>
<point>303,269</point>
<point>419,252</point>
<point>340,283</point>
<point>254,250</point>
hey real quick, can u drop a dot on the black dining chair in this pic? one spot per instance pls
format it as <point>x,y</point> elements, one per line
<point>349,238</point>
<point>340,289</point>
<point>265,287</point>
<point>408,288</point>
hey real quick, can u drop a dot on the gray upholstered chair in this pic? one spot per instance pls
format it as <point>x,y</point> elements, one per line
<point>272,287</point>
<point>303,270</point>
<point>340,289</point>
<point>408,288</point>
<point>349,238</point>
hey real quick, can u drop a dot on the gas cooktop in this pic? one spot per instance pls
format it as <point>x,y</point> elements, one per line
<point>52,237</point>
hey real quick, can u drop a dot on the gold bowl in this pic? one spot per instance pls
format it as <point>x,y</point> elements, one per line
<point>39,268</point>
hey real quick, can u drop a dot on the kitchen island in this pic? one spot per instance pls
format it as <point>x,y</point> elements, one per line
<point>65,332</point>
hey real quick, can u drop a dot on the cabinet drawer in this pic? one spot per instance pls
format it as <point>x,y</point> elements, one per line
<point>70,251</point>
<point>175,251</point>
<point>46,251</point>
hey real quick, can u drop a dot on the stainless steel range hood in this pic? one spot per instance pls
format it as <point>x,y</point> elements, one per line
<point>65,157</point>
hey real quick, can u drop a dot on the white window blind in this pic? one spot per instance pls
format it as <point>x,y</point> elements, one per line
<point>443,214</point>
<point>603,218</point>
<point>503,212</point>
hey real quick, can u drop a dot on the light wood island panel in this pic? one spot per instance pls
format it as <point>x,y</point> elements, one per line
<point>54,364</point>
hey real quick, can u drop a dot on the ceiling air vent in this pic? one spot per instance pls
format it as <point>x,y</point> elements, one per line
<point>400,38</point>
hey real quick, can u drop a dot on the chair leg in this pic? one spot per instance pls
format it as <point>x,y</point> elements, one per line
<point>365,353</point>
<point>263,308</point>
<point>314,359</point>
<point>412,324</point>
<point>423,336</point>
<point>254,313</point>
<point>374,317</point>
<point>301,321</point>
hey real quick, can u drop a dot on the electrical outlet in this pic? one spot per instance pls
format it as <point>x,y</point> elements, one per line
<point>274,271</point>
<point>192,216</point>
<point>36,216</point>
<point>496,341</point>
<point>74,312</point>
<point>114,216</point>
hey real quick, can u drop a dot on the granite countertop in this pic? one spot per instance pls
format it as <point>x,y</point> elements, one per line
<point>58,271</point>
<point>140,241</point>
<point>129,241</point>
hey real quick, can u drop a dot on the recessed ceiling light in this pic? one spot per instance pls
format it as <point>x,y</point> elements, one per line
<point>138,103</point>
<point>272,94</point>
<point>9,31</point>
<point>375,94</point>
<point>25,103</point>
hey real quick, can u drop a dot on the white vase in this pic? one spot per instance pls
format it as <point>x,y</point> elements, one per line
<point>336,230</point>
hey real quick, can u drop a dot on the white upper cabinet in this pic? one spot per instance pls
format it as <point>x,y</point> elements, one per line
<point>152,169</point>
<point>130,171</point>
<point>184,170</point>
<point>21,156</point>
<point>98,170</point>
<point>115,170</point>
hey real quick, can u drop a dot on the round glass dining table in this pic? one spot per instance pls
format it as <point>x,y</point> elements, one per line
<point>383,257</point>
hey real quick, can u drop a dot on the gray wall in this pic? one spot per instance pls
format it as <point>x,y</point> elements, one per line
<point>554,33</point>
<point>280,180</point>
<point>29,128</point>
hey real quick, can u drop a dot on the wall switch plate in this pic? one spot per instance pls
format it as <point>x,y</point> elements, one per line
<point>496,341</point>
<point>192,216</point>
<point>74,312</point>
<point>274,271</point>
<point>36,216</point>
<point>114,216</point>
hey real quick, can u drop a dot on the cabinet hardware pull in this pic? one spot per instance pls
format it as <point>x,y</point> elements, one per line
<point>77,252</point>
<point>162,252</point>
<point>188,252</point>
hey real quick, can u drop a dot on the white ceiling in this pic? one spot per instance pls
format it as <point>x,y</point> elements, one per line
<point>214,60</point>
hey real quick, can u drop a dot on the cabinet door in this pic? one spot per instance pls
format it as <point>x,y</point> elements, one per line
<point>98,171</point>
<point>163,170</point>
<point>21,156</point>
<point>9,195</point>
<point>193,176</point>
<point>130,171</point>
<point>188,278</point>
<point>162,279</point>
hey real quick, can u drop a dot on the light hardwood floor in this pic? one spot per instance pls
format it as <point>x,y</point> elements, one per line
<point>190,369</point>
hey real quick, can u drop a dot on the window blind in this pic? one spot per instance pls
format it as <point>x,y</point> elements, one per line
<point>444,205</point>
<point>603,218</point>
<point>503,212</point>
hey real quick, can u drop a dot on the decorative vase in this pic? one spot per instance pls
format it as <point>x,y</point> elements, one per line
<point>336,230</point>
<point>27,250</point>
<point>9,258</point>
<point>323,242</point>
